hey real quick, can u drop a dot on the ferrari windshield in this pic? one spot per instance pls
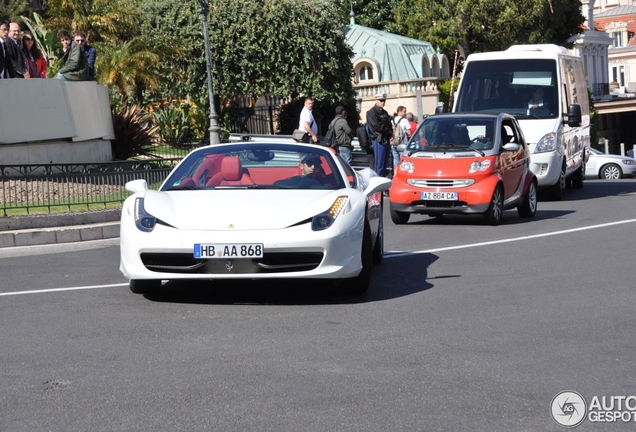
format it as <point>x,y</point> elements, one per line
<point>453,134</point>
<point>256,166</point>
<point>526,88</point>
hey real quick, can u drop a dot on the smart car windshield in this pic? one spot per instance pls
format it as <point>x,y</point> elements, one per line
<point>453,134</point>
<point>256,166</point>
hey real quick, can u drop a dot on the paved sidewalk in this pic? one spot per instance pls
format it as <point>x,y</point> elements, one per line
<point>63,228</point>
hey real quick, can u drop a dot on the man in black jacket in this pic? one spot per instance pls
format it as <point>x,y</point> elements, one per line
<point>5,62</point>
<point>343,133</point>
<point>18,59</point>
<point>380,133</point>
<point>6,67</point>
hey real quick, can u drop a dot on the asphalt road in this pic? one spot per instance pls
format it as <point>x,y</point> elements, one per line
<point>466,327</point>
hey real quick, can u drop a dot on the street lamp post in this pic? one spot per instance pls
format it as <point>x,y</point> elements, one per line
<point>214,125</point>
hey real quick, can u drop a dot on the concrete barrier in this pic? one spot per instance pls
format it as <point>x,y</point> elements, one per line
<point>51,121</point>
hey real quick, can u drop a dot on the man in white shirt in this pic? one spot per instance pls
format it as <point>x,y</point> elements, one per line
<point>400,119</point>
<point>307,121</point>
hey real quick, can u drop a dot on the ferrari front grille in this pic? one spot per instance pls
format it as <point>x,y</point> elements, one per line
<point>271,262</point>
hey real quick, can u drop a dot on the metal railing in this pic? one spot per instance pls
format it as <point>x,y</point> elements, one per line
<point>50,188</point>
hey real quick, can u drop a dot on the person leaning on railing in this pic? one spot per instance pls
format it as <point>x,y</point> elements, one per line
<point>74,64</point>
<point>35,59</point>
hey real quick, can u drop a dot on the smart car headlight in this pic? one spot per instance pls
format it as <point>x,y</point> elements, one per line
<point>406,166</point>
<point>479,166</point>
<point>325,220</point>
<point>144,221</point>
<point>547,143</point>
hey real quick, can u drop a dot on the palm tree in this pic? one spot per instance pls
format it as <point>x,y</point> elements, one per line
<point>130,67</point>
<point>101,20</point>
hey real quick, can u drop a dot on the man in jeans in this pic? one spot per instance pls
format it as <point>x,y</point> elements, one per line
<point>343,133</point>
<point>380,133</point>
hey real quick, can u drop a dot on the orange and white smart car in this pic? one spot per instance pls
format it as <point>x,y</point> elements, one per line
<point>464,164</point>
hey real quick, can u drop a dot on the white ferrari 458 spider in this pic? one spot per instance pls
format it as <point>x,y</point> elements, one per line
<point>255,210</point>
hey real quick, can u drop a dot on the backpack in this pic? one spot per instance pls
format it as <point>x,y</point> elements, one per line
<point>363,136</point>
<point>330,136</point>
<point>398,133</point>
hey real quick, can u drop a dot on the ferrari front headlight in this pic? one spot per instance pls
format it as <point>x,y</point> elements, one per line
<point>325,220</point>
<point>144,221</point>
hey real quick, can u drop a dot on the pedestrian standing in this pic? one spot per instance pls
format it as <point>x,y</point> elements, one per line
<point>35,59</point>
<point>89,51</point>
<point>6,68</point>
<point>412,123</point>
<point>380,133</point>
<point>307,122</point>
<point>74,65</point>
<point>400,121</point>
<point>343,134</point>
<point>18,60</point>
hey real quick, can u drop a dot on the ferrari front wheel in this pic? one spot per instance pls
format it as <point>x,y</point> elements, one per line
<point>378,248</point>
<point>360,284</point>
<point>144,286</point>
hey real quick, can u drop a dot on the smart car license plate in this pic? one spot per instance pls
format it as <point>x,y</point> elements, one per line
<point>230,250</point>
<point>443,196</point>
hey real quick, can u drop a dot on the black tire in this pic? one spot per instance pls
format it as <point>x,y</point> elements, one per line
<point>578,177</point>
<point>611,172</point>
<point>360,284</point>
<point>529,206</point>
<point>399,218</point>
<point>378,248</point>
<point>556,190</point>
<point>144,286</point>
<point>494,213</point>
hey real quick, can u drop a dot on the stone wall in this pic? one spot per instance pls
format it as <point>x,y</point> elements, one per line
<point>49,120</point>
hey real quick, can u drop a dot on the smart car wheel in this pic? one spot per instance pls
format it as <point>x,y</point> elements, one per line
<point>495,209</point>
<point>399,218</point>
<point>611,172</point>
<point>529,206</point>
<point>144,286</point>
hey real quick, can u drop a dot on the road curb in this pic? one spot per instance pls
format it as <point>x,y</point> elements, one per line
<point>59,228</point>
<point>64,234</point>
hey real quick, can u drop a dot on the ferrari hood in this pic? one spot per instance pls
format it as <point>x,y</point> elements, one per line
<point>237,209</point>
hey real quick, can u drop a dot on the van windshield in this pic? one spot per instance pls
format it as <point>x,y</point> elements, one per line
<point>525,88</point>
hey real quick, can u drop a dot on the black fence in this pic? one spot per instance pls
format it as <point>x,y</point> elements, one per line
<point>257,120</point>
<point>51,188</point>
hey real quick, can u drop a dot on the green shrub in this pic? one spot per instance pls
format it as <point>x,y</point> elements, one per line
<point>135,134</point>
<point>180,122</point>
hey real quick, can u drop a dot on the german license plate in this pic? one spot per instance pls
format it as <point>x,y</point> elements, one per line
<point>229,250</point>
<point>442,196</point>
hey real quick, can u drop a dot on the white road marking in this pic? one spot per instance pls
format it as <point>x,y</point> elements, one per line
<point>62,289</point>
<point>528,237</point>
<point>393,254</point>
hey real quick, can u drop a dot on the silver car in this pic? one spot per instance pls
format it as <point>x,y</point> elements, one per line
<point>609,166</point>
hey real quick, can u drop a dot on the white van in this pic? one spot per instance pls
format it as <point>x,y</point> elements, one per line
<point>545,88</point>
